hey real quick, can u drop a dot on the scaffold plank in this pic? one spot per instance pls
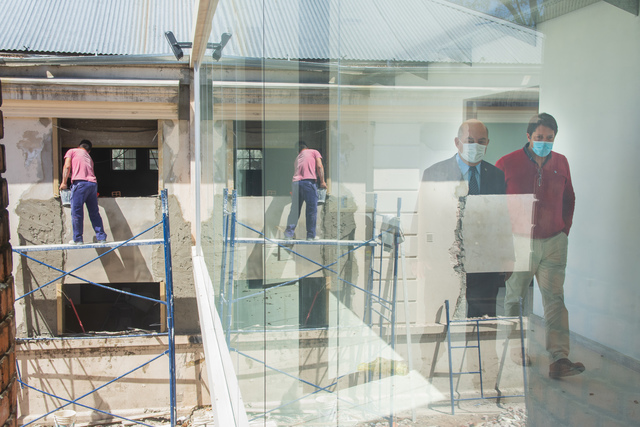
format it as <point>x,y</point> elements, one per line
<point>62,247</point>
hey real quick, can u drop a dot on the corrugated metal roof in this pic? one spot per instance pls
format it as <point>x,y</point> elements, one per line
<point>354,30</point>
<point>99,27</point>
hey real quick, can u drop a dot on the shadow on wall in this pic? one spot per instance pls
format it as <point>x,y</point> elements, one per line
<point>130,265</point>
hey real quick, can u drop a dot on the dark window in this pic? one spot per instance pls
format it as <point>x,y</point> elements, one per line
<point>95,309</point>
<point>124,153</point>
<point>265,153</point>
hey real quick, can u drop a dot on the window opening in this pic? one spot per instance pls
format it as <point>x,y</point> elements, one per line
<point>93,309</point>
<point>125,153</point>
<point>270,146</point>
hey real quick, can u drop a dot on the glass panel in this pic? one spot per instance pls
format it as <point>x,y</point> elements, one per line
<point>405,288</point>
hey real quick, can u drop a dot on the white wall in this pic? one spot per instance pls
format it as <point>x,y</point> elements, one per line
<point>590,84</point>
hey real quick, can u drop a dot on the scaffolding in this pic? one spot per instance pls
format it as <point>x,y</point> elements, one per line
<point>168,303</point>
<point>389,238</point>
<point>476,321</point>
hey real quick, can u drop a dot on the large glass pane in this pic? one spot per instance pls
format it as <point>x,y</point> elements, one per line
<point>416,115</point>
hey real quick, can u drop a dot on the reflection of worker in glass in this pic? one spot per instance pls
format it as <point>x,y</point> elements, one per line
<point>307,177</point>
<point>483,178</point>
<point>536,169</point>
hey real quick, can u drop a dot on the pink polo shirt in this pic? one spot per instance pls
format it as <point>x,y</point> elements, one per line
<point>305,165</point>
<point>81,165</point>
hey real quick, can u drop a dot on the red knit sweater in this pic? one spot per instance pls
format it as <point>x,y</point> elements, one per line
<point>551,186</point>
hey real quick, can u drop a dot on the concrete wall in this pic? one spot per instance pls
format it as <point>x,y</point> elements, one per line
<point>39,218</point>
<point>589,83</point>
<point>76,367</point>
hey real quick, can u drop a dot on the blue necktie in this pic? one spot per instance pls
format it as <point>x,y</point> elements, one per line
<point>473,181</point>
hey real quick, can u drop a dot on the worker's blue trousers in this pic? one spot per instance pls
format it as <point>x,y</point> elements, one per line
<point>304,191</point>
<point>85,192</point>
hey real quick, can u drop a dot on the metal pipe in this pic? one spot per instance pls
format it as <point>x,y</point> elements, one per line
<point>168,269</point>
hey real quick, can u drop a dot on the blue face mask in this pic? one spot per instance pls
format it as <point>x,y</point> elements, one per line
<point>541,148</point>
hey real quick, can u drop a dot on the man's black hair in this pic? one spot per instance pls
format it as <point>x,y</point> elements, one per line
<point>542,119</point>
<point>86,144</point>
<point>301,145</point>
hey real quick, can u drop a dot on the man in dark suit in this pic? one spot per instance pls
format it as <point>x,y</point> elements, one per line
<point>483,178</point>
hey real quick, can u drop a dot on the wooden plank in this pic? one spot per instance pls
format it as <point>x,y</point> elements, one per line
<point>163,308</point>
<point>57,175</point>
<point>60,308</point>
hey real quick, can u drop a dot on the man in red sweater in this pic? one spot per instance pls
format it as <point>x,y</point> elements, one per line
<point>536,170</point>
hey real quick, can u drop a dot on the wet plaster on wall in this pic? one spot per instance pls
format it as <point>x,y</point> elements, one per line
<point>32,145</point>
<point>457,256</point>
<point>41,222</point>
<point>186,308</point>
<point>29,151</point>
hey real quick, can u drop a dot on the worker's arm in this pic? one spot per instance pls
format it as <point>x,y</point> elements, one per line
<point>320,173</point>
<point>66,171</point>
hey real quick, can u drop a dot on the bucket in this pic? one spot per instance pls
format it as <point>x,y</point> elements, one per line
<point>322,195</point>
<point>326,406</point>
<point>64,418</point>
<point>65,195</point>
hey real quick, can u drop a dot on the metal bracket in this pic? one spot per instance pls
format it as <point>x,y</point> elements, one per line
<point>176,46</point>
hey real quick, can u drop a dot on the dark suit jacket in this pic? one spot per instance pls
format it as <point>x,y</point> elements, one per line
<point>482,288</point>
<point>491,178</point>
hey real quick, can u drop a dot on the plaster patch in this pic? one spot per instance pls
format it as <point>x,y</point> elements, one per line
<point>31,144</point>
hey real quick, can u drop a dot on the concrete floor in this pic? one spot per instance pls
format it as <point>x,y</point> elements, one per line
<point>606,394</point>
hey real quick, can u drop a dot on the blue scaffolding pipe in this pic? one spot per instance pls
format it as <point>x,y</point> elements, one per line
<point>225,231</point>
<point>450,347</point>
<point>230,223</point>
<point>351,243</point>
<point>84,280</point>
<point>169,303</point>
<point>115,245</point>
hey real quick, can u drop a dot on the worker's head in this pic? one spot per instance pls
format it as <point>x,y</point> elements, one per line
<point>86,144</point>
<point>301,145</point>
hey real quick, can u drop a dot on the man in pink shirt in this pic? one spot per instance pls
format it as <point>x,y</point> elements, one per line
<point>307,177</point>
<point>78,166</point>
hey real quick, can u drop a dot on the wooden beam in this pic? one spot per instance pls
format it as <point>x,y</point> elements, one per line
<point>55,145</point>
<point>204,11</point>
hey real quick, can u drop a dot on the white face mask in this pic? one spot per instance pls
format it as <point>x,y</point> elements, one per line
<point>473,153</point>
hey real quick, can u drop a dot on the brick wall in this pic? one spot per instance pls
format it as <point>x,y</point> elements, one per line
<point>8,383</point>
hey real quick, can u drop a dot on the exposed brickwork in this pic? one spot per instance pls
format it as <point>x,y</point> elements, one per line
<point>8,383</point>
